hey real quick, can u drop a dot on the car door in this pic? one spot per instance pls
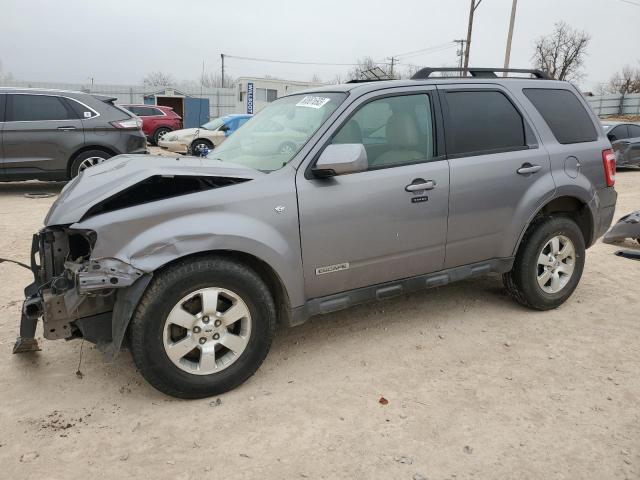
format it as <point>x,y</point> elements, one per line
<point>367,228</point>
<point>634,144</point>
<point>619,138</point>
<point>496,164</point>
<point>41,132</point>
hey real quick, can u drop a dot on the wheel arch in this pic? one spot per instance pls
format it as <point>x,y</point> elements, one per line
<point>571,206</point>
<point>266,272</point>
<point>87,148</point>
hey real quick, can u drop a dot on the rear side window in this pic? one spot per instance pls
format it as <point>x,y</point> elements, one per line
<point>156,111</point>
<point>634,130</point>
<point>618,133</point>
<point>30,108</point>
<point>565,115</point>
<point>482,121</point>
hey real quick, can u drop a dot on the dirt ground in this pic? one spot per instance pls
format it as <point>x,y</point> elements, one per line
<point>477,387</point>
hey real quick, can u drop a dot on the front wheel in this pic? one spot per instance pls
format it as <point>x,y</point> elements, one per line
<point>203,327</point>
<point>158,134</point>
<point>548,265</point>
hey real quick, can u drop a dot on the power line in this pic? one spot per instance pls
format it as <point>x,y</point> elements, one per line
<point>434,47</point>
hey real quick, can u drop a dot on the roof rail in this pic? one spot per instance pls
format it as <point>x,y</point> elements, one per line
<point>479,72</point>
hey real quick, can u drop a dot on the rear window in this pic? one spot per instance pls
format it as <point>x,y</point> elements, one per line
<point>482,121</point>
<point>565,115</point>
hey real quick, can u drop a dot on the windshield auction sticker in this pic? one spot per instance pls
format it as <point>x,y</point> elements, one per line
<point>313,102</point>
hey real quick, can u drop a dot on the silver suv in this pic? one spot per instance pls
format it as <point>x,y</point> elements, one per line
<point>390,187</point>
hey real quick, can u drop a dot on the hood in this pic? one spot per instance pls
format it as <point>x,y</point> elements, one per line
<point>103,181</point>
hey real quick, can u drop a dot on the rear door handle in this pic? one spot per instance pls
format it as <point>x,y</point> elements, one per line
<point>419,184</point>
<point>67,129</point>
<point>527,168</point>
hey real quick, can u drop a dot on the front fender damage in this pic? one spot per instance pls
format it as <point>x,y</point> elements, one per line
<point>83,297</point>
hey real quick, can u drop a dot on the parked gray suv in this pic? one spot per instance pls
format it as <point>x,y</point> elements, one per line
<point>54,134</point>
<point>398,186</point>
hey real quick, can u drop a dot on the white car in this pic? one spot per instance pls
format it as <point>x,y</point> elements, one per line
<point>209,135</point>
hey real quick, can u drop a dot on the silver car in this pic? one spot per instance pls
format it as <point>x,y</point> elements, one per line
<point>625,139</point>
<point>397,186</point>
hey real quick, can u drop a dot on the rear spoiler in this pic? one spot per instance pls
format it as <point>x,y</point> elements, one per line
<point>105,98</point>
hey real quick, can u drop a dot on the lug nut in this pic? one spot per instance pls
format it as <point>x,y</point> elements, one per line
<point>216,336</point>
<point>196,329</point>
<point>217,323</point>
<point>205,319</point>
<point>202,340</point>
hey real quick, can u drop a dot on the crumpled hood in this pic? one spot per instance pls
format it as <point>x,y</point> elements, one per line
<point>118,173</point>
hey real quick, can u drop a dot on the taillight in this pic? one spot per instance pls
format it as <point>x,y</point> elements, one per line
<point>609,161</point>
<point>129,124</point>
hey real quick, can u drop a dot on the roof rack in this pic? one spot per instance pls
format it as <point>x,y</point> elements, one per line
<point>479,72</point>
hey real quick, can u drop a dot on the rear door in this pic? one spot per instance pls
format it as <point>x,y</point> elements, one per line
<point>41,132</point>
<point>497,168</point>
<point>366,228</point>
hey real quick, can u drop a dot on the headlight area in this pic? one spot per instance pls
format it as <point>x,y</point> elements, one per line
<point>75,293</point>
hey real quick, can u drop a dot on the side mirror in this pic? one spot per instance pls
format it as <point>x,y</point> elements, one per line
<point>224,128</point>
<point>341,158</point>
<point>612,138</point>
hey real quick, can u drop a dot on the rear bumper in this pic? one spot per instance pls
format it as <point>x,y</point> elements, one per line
<point>605,206</point>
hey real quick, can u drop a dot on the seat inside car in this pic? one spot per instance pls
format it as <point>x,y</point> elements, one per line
<point>402,139</point>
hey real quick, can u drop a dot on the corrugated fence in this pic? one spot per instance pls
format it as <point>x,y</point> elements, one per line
<point>222,101</point>
<point>615,104</point>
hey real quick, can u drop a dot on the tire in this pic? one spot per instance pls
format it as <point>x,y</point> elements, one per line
<point>193,148</point>
<point>86,159</point>
<point>158,134</point>
<point>151,329</point>
<point>523,281</point>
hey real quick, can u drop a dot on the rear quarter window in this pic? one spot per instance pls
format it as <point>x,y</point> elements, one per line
<point>565,115</point>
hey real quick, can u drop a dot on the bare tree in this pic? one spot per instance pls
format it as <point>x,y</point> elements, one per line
<point>625,81</point>
<point>561,53</point>
<point>214,80</point>
<point>315,78</point>
<point>158,79</point>
<point>363,64</point>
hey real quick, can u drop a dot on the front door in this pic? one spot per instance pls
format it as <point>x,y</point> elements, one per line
<point>40,133</point>
<point>376,226</point>
<point>499,173</point>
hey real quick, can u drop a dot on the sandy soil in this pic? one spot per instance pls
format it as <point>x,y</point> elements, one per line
<point>477,387</point>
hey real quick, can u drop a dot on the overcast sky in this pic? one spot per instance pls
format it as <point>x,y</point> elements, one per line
<point>116,41</point>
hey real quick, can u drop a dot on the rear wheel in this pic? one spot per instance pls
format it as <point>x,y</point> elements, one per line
<point>199,145</point>
<point>203,327</point>
<point>88,159</point>
<point>158,134</point>
<point>548,265</point>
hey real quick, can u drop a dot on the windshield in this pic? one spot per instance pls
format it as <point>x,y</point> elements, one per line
<point>270,139</point>
<point>214,124</point>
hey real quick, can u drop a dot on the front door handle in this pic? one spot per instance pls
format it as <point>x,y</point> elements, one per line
<point>527,168</point>
<point>67,129</point>
<point>419,184</point>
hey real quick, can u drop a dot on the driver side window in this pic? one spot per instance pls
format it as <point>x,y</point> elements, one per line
<point>394,130</point>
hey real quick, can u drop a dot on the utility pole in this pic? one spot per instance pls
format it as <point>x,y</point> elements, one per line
<point>474,5</point>
<point>460,51</point>
<point>507,55</point>
<point>393,59</point>
<point>222,58</point>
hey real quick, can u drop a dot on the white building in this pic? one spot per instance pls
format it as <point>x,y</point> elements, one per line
<point>265,90</point>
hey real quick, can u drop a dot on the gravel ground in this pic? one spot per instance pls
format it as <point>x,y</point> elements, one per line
<point>457,382</point>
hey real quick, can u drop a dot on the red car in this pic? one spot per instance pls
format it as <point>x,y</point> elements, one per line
<point>156,120</point>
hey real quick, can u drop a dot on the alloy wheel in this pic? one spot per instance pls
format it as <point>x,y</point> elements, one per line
<point>207,331</point>
<point>556,263</point>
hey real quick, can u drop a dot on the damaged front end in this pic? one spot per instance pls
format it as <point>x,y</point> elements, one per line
<point>77,296</point>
